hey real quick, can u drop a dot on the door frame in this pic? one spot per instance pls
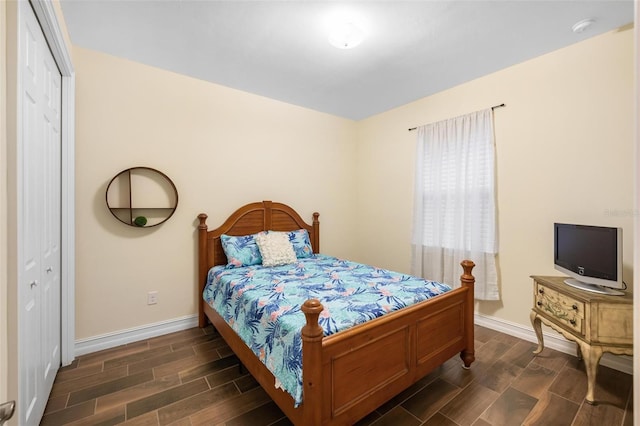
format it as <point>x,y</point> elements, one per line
<point>45,12</point>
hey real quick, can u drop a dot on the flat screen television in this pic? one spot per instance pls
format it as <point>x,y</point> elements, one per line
<point>591,256</point>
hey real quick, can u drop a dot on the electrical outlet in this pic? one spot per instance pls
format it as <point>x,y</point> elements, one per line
<point>152,298</point>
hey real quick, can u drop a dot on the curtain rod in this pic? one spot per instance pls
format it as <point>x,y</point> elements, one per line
<point>493,107</point>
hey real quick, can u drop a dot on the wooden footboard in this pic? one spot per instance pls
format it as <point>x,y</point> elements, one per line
<point>365,366</point>
<point>349,374</point>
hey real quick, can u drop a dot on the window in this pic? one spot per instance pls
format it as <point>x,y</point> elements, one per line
<point>454,205</point>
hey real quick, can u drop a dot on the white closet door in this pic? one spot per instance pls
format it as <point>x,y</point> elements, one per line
<point>50,120</point>
<point>38,220</point>
<point>29,235</point>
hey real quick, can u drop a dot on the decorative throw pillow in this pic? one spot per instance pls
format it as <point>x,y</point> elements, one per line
<point>275,249</point>
<point>242,250</point>
<point>301,244</point>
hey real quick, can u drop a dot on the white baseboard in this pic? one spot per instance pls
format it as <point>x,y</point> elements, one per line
<point>552,340</point>
<point>117,338</point>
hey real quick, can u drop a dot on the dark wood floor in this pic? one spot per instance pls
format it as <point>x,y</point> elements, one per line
<point>192,378</point>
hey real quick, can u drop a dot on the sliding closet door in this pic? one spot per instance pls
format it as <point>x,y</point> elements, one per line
<point>39,158</point>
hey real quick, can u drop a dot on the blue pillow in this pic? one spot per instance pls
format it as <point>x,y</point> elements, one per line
<point>241,251</point>
<point>301,244</point>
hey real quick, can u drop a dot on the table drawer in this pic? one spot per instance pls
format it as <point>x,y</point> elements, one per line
<point>565,309</point>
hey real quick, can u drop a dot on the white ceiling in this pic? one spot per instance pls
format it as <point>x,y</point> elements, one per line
<point>279,49</point>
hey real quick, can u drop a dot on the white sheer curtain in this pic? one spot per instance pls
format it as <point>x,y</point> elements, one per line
<point>454,206</point>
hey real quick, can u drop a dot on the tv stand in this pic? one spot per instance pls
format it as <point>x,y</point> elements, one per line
<point>593,287</point>
<point>598,323</point>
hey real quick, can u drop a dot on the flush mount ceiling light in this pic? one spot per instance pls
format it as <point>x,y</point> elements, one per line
<point>345,27</point>
<point>580,26</point>
<point>345,35</point>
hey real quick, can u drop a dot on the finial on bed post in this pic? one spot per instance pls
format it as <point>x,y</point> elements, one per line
<point>202,266</point>
<point>467,280</point>
<point>312,362</point>
<point>203,221</point>
<point>312,309</point>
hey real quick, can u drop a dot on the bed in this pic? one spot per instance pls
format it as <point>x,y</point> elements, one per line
<point>348,374</point>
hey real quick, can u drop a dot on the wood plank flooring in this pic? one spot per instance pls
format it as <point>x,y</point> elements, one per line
<point>192,378</point>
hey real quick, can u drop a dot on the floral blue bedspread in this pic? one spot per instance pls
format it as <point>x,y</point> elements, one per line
<point>262,304</point>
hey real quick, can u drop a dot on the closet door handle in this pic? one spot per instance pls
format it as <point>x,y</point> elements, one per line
<point>33,283</point>
<point>49,270</point>
<point>6,411</point>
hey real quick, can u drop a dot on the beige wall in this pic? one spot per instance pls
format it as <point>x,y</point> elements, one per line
<point>222,148</point>
<point>565,152</point>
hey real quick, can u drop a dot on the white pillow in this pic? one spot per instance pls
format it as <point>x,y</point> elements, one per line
<point>275,248</point>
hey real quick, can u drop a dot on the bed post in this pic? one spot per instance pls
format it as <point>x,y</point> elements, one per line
<point>312,363</point>
<point>315,244</point>
<point>467,280</point>
<point>203,255</point>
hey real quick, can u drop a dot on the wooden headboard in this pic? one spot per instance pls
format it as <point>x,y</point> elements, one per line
<point>248,219</point>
